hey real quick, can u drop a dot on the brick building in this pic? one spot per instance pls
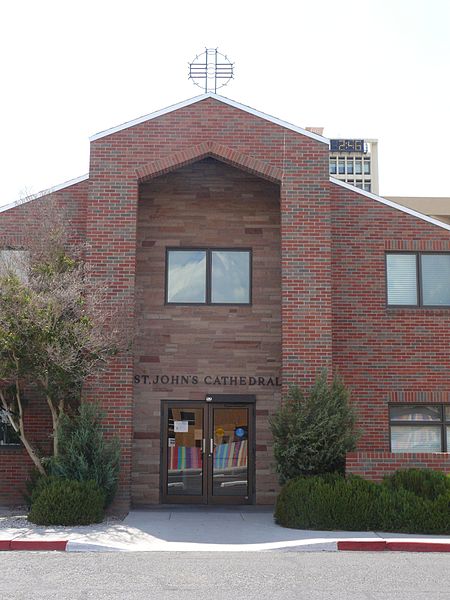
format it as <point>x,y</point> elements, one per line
<point>246,269</point>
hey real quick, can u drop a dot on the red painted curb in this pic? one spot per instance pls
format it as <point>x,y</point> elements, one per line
<point>393,546</point>
<point>361,546</point>
<point>33,545</point>
<point>418,546</point>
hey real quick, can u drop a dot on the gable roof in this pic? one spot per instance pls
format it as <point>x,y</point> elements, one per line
<point>51,190</point>
<point>233,103</point>
<point>400,207</point>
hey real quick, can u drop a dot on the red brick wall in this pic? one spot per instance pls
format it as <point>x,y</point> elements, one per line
<point>333,243</point>
<point>207,204</point>
<point>248,142</point>
<point>384,354</point>
<point>17,222</point>
<point>15,464</point>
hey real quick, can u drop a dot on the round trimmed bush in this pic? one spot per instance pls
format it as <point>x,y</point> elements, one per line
<point>67,502</point>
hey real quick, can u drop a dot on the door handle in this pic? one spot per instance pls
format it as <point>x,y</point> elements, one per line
<point>203,446</point>
<point>211,446</point>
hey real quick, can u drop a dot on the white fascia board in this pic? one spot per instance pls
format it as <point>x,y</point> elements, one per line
<point>233,103</point>
<point>400,207</point>
<point>51,190</point>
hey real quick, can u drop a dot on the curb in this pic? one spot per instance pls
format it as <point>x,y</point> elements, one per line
<point>45,545</point>
<point>340,545</point>
<point>393,546</point>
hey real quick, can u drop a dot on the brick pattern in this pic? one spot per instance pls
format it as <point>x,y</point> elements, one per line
<point>374,465</point>
<point>384,354</point>
<point>207,204</point>
<point>251,143</point>
<point>15,464</point>
<point>333,298</point>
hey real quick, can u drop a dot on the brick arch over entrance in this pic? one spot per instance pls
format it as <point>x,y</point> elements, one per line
<point>224,154</point>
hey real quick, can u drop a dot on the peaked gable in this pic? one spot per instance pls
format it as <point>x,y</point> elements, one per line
<point>224,100</point>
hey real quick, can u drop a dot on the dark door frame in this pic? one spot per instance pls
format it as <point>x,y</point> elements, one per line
<point>207,497</point>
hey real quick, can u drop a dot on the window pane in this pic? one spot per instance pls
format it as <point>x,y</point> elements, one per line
<point>14,261</point>
<point>7,433</point>
<point>350,166</point>
<point>358,166</point>
<point>447,413</point>
<point>401,279</point>
<point>436,279</point>
<point>414,412</point>
<point>230,277</point>
<point>341,166</point>
<point>332,166</point>
<point>367,166</point>
<point>186,278</point>
<point>416,439</point>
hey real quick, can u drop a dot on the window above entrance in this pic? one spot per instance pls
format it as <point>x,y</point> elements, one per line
<point>208,276</point>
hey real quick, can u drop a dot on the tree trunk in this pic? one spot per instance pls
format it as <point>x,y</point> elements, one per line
<point>20,430</point>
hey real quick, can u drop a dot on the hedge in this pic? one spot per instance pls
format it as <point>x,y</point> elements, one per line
<point>411,503</point>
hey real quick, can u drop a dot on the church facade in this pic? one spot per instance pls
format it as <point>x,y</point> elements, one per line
<point>246,269</point>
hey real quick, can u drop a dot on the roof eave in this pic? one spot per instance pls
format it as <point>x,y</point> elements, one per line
<point>400,207</point>
<point>228,101</point>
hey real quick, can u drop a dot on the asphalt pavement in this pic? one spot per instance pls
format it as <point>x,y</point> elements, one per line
<point>218,576</point>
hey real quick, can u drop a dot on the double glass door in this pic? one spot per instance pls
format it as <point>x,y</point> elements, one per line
<point>207,453</point>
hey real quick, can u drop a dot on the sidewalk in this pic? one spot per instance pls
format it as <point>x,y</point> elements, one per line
<point>202,529</point>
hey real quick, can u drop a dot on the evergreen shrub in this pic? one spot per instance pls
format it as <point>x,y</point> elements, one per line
<point>312,432</point>
<point>66,502</point>
<point>425,483</point>
<point>355,504</point>
<point>84,453</point>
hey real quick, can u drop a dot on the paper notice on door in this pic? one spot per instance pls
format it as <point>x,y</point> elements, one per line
<point>172,443</point>
<point>181,426</point>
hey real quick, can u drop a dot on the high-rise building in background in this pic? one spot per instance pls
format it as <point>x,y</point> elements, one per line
<point>354,161</point>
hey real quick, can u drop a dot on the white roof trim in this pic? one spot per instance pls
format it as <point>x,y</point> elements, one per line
<point>395,205</point>
<point>51,190</point>
<point>238,105</point>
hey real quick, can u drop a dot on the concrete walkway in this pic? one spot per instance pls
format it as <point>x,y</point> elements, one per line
<point>234,529</point>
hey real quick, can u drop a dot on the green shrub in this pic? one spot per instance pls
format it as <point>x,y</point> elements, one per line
<point>35,485</point>
<point>355,504</point>
<point>426,483</point>
<point>313,432</point>
<point>84,454</point>
<point>65,502</point>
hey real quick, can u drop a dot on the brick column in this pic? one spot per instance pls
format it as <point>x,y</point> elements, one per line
<point>111,239</point>
<point>306,263</point>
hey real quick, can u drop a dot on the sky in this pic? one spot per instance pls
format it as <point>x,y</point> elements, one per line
<point>363,69</point>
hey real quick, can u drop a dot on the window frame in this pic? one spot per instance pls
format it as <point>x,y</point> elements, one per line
<point>419,283</point>
<point>443,423</point>
<point>208,288</point>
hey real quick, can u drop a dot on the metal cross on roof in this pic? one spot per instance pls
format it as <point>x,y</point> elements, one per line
<point>211,70</point>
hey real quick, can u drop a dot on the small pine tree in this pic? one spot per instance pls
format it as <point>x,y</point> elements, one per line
<point>84,453</point>
<point>313,432</point>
